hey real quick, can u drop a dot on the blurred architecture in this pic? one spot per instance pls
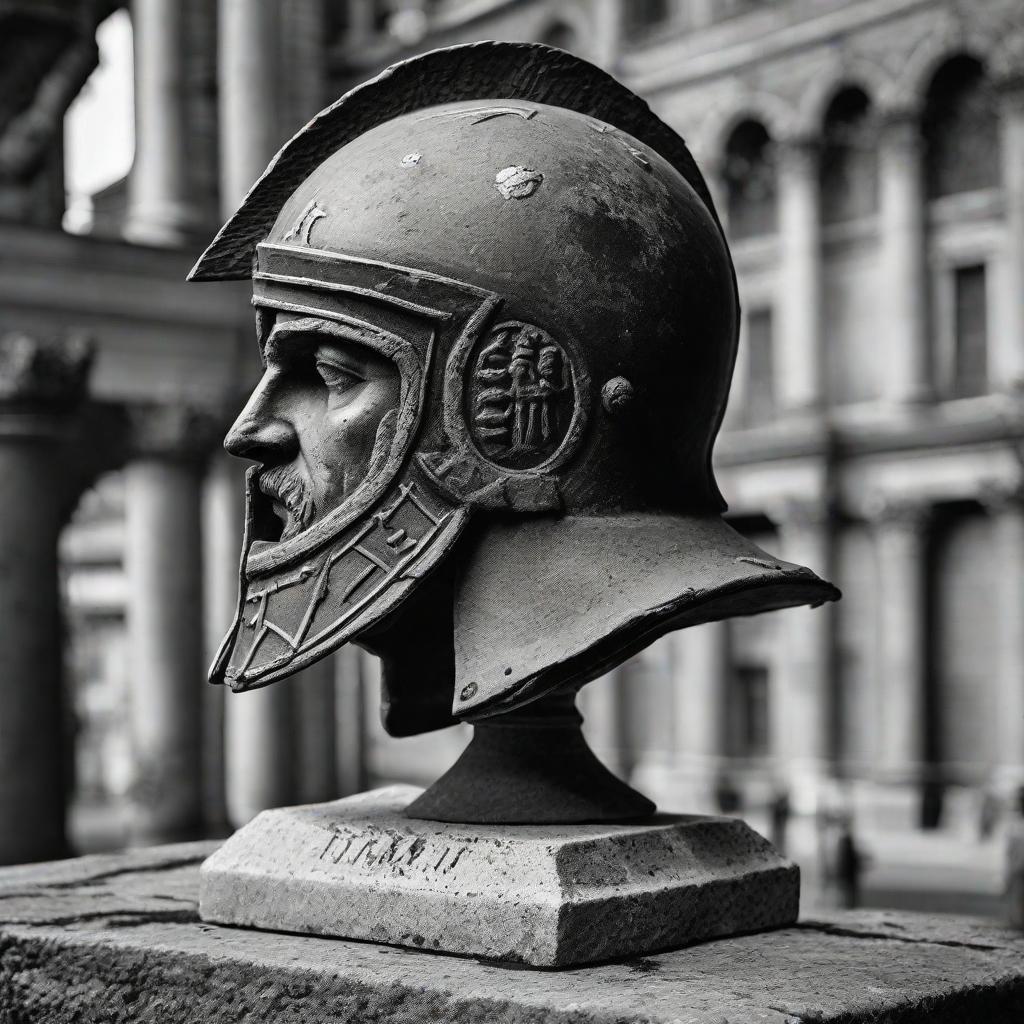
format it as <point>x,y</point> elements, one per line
<point>867,157</point>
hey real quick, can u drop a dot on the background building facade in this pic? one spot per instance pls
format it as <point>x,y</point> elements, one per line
<point>867,158</point>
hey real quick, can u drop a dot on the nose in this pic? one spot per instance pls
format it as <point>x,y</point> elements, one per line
<point>260,435</point>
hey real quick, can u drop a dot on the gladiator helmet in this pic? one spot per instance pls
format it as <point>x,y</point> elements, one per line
<point>498,319</point>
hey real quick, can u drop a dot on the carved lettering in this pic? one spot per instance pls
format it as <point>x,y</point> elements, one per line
<point>372,850</point>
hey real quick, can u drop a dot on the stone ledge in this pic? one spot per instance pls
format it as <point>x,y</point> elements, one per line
<point>118,939</point>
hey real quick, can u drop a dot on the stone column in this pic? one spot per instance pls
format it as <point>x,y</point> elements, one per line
<point>803,697</point>
<point>316,753</point>
<point>652,698</point>
<point>360,26</point>
<point>607,33</point>
<point>903,285</point>
<point>901,535</point>
<point>163,566</point>
<point>304,52</point>
<point>259,751</point>
<point>800,378</point>
<point>350,709</point>
<point>604,704</point>
<point>40,386</point>
<point>1008,339</point>
<point>247,59</point>
<point>631,708</point>
<point>701,709</point>
<point>259,746</point>
<point>159,209</point>
<point>1006,506</point>
<point>223,511</point>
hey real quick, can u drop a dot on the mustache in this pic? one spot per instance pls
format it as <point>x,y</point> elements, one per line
<point>285,486</point>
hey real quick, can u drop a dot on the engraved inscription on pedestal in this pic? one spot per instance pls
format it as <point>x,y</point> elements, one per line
<point>372,850</point>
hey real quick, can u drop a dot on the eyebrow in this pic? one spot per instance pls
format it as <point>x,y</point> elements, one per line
<point>278,342</point>
<point>347,333</point>
<point>283,333</point>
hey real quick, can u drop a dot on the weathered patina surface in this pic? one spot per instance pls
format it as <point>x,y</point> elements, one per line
<point>118,939</point>
<point>498,320</point>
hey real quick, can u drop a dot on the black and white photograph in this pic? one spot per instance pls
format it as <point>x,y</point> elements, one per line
<point>512,511</point>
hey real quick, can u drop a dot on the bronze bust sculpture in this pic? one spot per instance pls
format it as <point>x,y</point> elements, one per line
<point>498,319</point>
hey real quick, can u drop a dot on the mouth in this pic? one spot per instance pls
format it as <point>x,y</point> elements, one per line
<point>290,500</point>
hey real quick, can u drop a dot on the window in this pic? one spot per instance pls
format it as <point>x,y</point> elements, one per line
<point>849,164</point>
<point>961,130</point>
<point>750,181</point>
<point>751,725</point>
<point>760,405</point>
<point>970,340</point>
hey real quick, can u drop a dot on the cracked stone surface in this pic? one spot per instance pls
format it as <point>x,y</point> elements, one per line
<point>118,939</point>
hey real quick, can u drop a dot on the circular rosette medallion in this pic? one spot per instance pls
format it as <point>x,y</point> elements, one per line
<point>520,396</point>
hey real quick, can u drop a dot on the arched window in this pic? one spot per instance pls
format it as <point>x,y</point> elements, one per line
<point>961,129</point>
<point>750,186</point>
<point>849,161</point>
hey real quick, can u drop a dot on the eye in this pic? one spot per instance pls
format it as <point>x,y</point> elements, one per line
<point>337,378</point>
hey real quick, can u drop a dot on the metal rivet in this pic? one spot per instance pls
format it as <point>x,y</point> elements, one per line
<point>508,671</point>
<point>468,691</point>
<point>617,396</point>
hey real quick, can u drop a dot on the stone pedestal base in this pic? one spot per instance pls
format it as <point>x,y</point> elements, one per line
<point>544,895</point>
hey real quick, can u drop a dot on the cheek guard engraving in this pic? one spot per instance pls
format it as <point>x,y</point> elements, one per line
<point>376,556</point>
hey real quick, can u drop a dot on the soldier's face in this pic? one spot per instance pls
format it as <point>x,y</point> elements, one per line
<point>320,420</point>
